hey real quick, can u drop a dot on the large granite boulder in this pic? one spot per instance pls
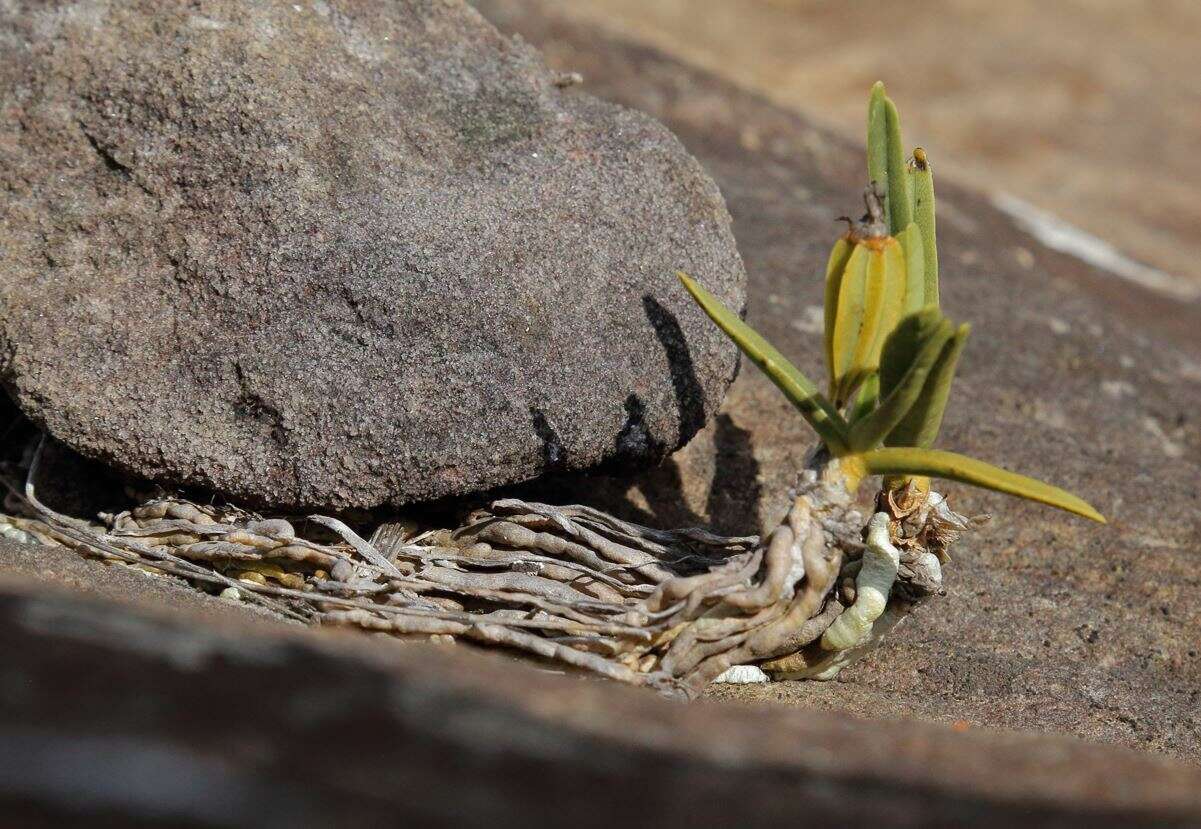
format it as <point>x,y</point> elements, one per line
<point>340,254</point>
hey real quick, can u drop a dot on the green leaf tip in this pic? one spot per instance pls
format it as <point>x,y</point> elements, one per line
<point>951,466</point>
<point>886,159</point>
<point>877,139</point>
<point>813,406</point>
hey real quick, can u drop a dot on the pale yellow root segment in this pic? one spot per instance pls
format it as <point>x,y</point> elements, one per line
<point>872,588</point>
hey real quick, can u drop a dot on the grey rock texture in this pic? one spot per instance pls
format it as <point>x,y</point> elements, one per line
<point>339,254</point>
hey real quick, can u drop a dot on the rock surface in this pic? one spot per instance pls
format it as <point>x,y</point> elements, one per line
<point>1071,375</point>
<point>338,254</point>
<point>152,712</point>
<point>1049,624</point>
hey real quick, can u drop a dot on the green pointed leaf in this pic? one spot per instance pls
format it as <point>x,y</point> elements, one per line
<point>920,426</point>
<point>900,209</point>
<point>911,184</point>
<point>951,466</point>
<point>923,215</point>
<point>915,268</point>
<point>835,268</point>
<point>824,419</point>
<point>871,430</point>
<point>903,345</point>
<point>877,139</point>
<point>865,401</point>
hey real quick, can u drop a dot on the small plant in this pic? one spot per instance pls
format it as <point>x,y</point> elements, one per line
<point>890,352</point>
<point>891,356</point>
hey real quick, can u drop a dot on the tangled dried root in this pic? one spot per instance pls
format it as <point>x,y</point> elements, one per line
<point>672,610</point>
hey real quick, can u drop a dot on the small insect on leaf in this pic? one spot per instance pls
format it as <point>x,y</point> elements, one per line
<point>813,406</point>
<point>951,466</point>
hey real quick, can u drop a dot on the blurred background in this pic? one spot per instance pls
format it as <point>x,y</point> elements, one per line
<point>1087,109</point>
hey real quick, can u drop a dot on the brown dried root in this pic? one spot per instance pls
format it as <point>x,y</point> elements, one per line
<point>570,585</point>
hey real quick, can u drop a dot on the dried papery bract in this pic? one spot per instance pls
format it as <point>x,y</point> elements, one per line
<point>672,610</point>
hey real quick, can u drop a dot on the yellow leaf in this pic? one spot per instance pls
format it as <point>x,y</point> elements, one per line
<point>848,318</point>
<point>895,281</point>
<point>834,270</point>
<point>874,290</point>
<point>951,466</point>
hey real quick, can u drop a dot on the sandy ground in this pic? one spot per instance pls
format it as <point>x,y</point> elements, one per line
<point>1090,109</point>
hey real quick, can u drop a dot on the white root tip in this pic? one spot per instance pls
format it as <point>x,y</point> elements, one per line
<point>742,675</point>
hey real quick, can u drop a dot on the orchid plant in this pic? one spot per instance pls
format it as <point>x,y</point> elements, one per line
<point>890,352</point>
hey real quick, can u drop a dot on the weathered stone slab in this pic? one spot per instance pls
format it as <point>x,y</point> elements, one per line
<point>157,716</point>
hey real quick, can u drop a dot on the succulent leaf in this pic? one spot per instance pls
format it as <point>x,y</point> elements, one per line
<point>920,426</point>
<point>873,315</point>
<point>911,184</point>
<point>903,345</point>
<point>951,466</point>
<point>896,282</point>
<point>865,400</point>
<point>923,216</point>
<point>848,320</point>
<point>877,138</point>
<point>870,301</point>
<point>813,406</point>
<point>871,430</point>
<point>900,209</point>
<point>834,271</point>
<point>915,268</point>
